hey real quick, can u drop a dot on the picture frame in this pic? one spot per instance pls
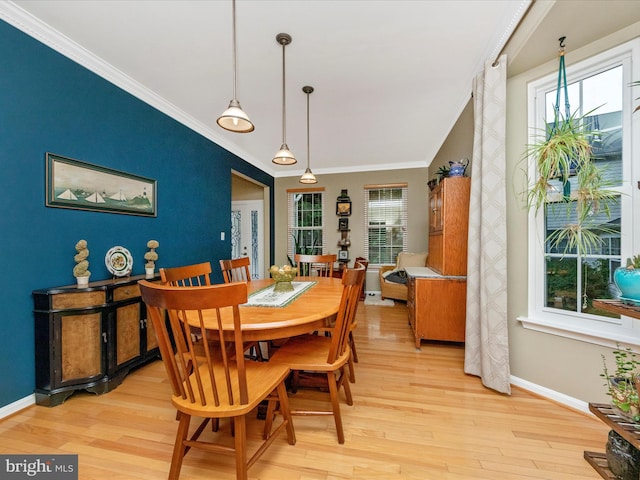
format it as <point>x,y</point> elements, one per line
<point>343,209</point>
<point>343,224</point>
<point>343,255</point>
<point>80,185</point>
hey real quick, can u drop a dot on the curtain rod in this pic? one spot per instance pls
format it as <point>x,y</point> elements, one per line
<point>495,62</point>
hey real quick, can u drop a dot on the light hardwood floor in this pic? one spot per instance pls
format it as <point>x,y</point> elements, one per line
<point>416,415</point>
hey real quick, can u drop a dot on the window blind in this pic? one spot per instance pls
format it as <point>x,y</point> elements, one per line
<point>385,219</point>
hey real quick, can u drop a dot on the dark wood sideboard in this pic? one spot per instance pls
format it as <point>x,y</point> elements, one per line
<point>89,338</point>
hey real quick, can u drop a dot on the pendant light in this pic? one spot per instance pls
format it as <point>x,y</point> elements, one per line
<point>284,155</point>
<point>234,118</point>
<point>308,176</point>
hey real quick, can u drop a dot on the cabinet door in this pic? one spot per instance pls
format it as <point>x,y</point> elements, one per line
<point>152,341</point>
<point>441,309</point>
<point>128,333</point>
<point>81,342</point>
<point>435,210</point>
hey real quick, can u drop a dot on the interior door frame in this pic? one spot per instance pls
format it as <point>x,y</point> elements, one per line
<point>248,206</point>
<point>266,208</point>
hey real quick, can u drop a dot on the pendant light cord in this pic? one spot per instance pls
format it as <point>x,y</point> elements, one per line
<point>308,157</point>
<point>284,101</point>
<point>235,54</point>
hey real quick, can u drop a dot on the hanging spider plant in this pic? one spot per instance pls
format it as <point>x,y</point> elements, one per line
<point>563,152</point>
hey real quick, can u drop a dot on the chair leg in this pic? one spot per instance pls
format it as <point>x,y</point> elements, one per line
<point>352,371</point>
<point>335,404</point>
<point>268,419</point>
<point>353,358</point>
<point>179,449</point>
<point>352,344</point>
<point>285,411</point>
<point>240,428</point>
<point>343,381</point>
<point>294,380</point>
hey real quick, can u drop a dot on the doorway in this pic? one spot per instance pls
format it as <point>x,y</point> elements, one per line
<point>249,202</point>
<point>247,233</point>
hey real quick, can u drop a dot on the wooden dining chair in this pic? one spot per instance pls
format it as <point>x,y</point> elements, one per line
<point>215,385</point>
<point>236,270</point>
<point>315,265</point>
<point>194,275</point>
<point>328,355</point>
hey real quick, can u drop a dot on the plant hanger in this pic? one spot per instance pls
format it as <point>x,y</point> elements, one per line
<point>562,83</point>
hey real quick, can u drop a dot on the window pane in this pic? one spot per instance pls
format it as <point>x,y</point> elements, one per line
<point>306,231</point>
<point>562,283</point>
<point>386,223</point>
<point>572,282</point>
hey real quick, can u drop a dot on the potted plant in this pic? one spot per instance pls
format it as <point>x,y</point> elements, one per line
<point>81,270</point>
<point>442,172</point>
<point>627,279</point>
<point>563,151</point>
<point>622,385</point>
<point>151,257</point>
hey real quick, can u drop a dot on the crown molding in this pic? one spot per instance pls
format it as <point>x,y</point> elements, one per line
<point>42,32</point>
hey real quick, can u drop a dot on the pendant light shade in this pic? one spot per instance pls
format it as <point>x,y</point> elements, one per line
<point>284,155</point>
<point>308,177</point>
<point>234,118</point>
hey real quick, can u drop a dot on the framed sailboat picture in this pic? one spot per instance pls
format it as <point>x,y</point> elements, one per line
<point>84,186</point>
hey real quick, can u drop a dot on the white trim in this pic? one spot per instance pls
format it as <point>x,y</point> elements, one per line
<point>552,395</point>
<point>581,326</point>
<point>16,406</point>
<point>34,27</point>
<point>610,339</point>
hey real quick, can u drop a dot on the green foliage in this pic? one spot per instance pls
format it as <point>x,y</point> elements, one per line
<point>442,172</point>
<point>300,248</point>
<point>621,385</point>
<point>633,262</point>
<point>564,150</point>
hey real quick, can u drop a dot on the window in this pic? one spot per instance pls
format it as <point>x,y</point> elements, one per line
<point>385,220</point>
<point>305,226</point>
<point>562,283</point>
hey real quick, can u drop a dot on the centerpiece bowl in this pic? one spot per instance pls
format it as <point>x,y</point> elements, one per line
<point>283,277</point>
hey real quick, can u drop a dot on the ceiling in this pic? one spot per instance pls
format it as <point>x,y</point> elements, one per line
<point>390,76</point>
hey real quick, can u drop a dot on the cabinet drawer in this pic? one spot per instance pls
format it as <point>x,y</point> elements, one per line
<point>77,300</point>
<point>126,292</point>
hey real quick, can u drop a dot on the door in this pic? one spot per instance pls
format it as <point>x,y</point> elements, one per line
<point>247,233</point>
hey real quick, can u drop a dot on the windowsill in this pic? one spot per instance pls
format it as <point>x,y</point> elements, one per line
<point>625,336</point>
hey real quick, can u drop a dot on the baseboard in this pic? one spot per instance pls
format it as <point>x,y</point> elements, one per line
<point>17,406</point>
<point>552,395</point>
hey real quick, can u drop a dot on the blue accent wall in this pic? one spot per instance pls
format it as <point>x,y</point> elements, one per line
<point>48,103</point>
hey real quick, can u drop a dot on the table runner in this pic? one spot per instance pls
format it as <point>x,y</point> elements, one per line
<point>266,297</point>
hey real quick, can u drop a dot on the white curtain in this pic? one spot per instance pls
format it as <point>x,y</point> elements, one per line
<point>487,340</point>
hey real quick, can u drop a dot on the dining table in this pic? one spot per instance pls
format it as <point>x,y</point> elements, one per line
<point>312,309</point>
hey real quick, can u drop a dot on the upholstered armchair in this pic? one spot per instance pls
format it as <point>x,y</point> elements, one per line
<point>395,290</point>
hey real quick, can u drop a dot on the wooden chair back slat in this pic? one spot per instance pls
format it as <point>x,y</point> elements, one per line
<point>315,265</point>
<point>195,275</point>
<point>236,270</point>
<point>212,378</point>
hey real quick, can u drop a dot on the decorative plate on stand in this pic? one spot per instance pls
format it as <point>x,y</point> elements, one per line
<point>119,261</point>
